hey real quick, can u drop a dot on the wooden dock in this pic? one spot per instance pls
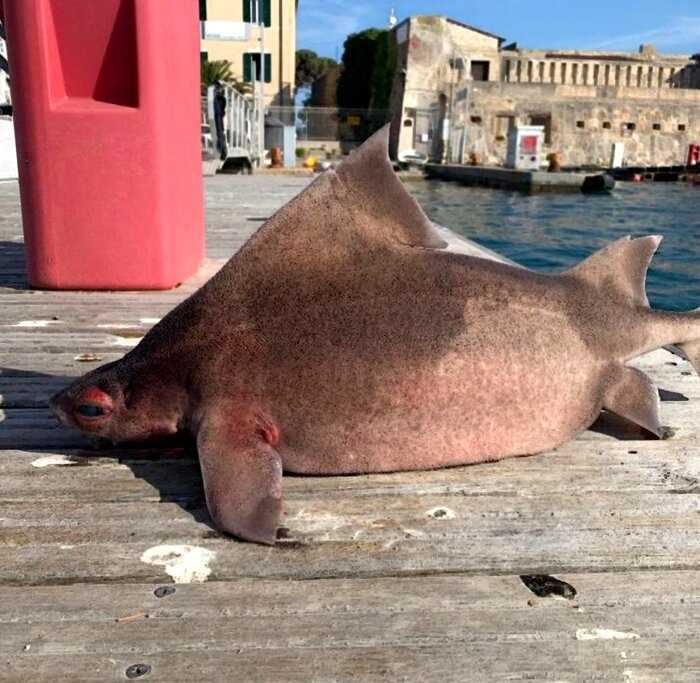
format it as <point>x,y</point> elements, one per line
<point>579,564</point>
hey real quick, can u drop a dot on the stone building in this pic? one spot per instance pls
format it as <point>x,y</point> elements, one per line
<point>234,38</point>
<point>458,90</point>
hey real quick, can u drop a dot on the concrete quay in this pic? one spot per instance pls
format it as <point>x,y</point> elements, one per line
<point>508,179</point>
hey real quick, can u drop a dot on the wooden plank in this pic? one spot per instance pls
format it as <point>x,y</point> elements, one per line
<point>105,476</point>
<point>330,629</point>
<point>371,526</point>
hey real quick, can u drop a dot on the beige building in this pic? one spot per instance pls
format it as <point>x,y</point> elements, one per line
<point>279,40</point>
<point>458,90</point>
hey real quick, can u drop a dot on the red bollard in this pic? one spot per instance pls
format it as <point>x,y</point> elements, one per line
<point>107,117</point>
<point>693,155</point>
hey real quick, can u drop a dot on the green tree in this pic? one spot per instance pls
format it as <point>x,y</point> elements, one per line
<point>309,67</point>
<point>220,70</point>
<point>383,71</point>
<point>360,52</point>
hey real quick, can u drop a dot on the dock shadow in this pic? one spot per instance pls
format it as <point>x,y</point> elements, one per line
<point>171,466</point>
<point>13,265</point>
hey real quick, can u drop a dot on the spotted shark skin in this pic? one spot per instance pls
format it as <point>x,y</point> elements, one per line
<point>343,339</point>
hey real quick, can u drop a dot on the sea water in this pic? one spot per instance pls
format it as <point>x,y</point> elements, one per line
<point>551,232</point>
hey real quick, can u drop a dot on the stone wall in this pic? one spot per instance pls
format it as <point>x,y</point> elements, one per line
<point>586,100</point>
<point>646,69</point>
<point>582,122</point>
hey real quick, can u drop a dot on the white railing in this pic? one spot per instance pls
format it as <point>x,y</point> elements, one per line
<point>240,123</point>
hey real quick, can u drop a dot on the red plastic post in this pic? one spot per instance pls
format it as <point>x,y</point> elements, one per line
<point>107,118</point>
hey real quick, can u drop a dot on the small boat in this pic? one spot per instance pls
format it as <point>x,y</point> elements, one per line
<point>410,157</point>
<point>602,182</point>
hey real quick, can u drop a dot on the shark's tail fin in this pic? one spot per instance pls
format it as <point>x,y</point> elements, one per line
<point>620,268</point>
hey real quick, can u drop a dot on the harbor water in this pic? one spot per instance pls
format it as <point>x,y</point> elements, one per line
<point>551,232</point>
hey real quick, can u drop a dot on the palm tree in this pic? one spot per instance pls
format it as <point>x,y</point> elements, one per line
<point>220,70</point>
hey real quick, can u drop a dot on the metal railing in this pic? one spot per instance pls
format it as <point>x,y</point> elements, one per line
<point>240,125</point>
<point>331,124</point>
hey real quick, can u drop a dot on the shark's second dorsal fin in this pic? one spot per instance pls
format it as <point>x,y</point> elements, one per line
<point>369,176</point>
<point>620,267</point>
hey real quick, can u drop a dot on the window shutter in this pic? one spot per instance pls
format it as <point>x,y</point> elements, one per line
<point>247,70</point>
<point>246,11</point>
<point>267,12</point>
<point>268,67</point>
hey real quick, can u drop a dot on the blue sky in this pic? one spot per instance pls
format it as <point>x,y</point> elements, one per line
<point>672,25</point>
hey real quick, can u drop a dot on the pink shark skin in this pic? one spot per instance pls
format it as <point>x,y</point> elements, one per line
<point>341,339</point>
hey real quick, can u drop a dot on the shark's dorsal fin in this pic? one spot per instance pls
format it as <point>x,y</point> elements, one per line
<point>370,177</point>
<point>620,267</point>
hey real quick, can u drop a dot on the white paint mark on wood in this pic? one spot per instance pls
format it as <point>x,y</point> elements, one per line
<point>126,341</point>
<point>53,460</point>
<point>67,547</point>
<point>184,563</point>
<point>440,513</point>
<point>149,321</point>
<point>604,634</point>
<point>127,326</point>
<point>36,323</point>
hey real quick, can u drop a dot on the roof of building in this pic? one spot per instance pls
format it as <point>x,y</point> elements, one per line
<point>500,39</point>
<point>457,23</point>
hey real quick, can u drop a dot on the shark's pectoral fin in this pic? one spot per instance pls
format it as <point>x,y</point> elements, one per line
<point>242,475</point>
<point>691,350</point>
<point>634,397</point>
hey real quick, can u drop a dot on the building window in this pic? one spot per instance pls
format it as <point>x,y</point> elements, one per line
<point>480,70</point>
<point>580,124</point>
<point>656,126</point>
<point>503,124</point>
<point>607,125</point>
<point>203,57</point>
<point>544,120</point>
<point>596,74</point>
<point>681,127</point>
<point>251,67</point>
<point>250,15</point>
<point>476,119</point>
<point>552,72</point>
<point>407,123</point>
<point>631,126</point>
<point>202,10</point>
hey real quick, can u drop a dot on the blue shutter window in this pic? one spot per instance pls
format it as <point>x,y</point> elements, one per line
<point>250,16</point>
<point>251,67</point>
<point>247,67</point>
<point>268,67</point>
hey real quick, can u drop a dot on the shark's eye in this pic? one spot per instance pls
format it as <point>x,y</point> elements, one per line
<point>89,410</point>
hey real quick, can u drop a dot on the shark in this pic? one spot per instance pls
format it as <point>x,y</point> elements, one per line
<point>342,338</point>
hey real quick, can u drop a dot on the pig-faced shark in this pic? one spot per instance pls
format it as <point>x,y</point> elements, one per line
<point>342,339</point>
